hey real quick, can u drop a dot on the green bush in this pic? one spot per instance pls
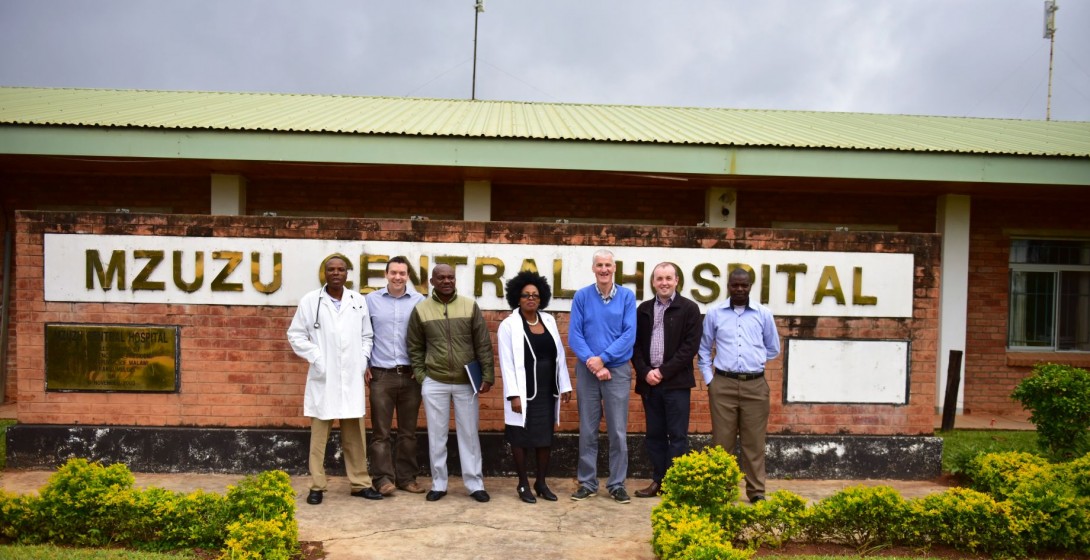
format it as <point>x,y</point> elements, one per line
<point>707,480</point>
<point>91,505</point>
<point>1055,516</point>
<point>1058,399</point>
<point>85,503</point>
<point>861,516</point>
<point>774,521</point>
<point>965,519</point>
<point>999,474</point>
<point>685,531</point>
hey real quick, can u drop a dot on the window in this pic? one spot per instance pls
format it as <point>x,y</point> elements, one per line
<point>1049,295</point>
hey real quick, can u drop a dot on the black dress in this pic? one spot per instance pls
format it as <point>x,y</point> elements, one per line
<point>540,404</point>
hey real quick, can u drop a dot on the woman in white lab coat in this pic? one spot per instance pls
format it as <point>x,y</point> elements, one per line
<point>535,378</point>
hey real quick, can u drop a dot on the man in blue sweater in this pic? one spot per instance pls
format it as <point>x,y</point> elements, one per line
<point>601,334</point>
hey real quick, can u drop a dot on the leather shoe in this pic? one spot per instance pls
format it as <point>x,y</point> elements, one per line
<point>757,498</point>
<point>525,495</point>
<point>480,496</point>
<point>652,490</point>
<point>544,492</point>
<point>315,497</point>
<point>387,489</point>
<point>367,493</point>
<point>413,487</point>
<point>435,495</point>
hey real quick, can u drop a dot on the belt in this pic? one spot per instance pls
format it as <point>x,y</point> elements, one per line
<point>396,370</point>
<point>740,375</point>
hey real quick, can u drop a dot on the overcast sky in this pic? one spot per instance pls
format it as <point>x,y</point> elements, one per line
<point>979,58</point>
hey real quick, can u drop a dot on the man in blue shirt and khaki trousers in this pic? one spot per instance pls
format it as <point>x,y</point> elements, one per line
<point>743,334</point>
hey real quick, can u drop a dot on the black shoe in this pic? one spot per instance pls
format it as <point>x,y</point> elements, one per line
<point>435,495</point>
<point>525,495</point>
<point>619,495</point>
<point>583,493</point>
<point>757,498</point>
<point>543,491</point>
<point>367,493</point>
<point>480,496</point>
<point>315,497</point>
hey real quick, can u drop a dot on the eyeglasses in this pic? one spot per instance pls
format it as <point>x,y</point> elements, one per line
<point>530,296</point>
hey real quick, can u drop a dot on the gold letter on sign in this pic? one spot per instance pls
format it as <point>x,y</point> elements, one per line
<point>829,285</point>
<point>220,283</point>
<point>791,270</point>
<point>367,273</point>
<point>558,279</point>
<point>637,277</point>
<point>480,276</point>
<point>857,289</point>
<point>255,273</point>
<point>709,283</point>
<point>198,272</point>
<point>141,281</point>
<point>105,279</point>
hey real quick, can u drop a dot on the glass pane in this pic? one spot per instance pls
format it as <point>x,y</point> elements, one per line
<point>1074,328</point>
<point>1049,251</point>
<point>1032,306</point>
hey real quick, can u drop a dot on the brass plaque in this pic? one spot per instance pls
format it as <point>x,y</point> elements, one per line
<point>131,358</point>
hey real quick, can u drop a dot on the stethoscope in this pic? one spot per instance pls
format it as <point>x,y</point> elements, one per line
<point>318,311</point>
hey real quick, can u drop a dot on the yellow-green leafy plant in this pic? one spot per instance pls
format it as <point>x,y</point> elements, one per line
<point>261,539</point>
<point>1055,515</point>
<point>861,516</point>
<point>965,519</point>
<point>999,474</point>
<point>774,521</point>
<point>85,503</point>
<point>684,531</point>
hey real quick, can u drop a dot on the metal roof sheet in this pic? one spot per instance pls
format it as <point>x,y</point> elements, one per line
<point>546,121</point>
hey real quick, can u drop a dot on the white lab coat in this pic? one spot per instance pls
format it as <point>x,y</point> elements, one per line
<point>512,342</point>
<point>337,351</point>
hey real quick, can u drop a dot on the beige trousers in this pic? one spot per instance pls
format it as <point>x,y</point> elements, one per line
<point>740,409</point>
<point>355,452</point>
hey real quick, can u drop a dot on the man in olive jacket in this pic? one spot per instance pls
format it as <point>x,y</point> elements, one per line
<point>446,332</point>
<point>668,329</point>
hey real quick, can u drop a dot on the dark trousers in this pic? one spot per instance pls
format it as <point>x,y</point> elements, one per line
<point>393,455</point>
<point>667,413</point>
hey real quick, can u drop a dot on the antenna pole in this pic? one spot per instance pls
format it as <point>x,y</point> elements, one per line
<point>477,9</point>
<point>1050,34</point>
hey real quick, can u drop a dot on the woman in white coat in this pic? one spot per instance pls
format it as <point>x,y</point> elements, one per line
<point>332,331</point>
<point>535,378</point>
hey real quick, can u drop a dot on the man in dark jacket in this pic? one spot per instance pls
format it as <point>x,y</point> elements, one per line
<point>668,330</point>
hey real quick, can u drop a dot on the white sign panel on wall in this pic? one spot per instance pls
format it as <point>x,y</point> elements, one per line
<point>846,371</point>
<point>258,271</point>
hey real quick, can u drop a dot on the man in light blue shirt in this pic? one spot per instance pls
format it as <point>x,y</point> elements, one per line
<point>743,334</point>
<point>601,333</point>
<point>393,388</point>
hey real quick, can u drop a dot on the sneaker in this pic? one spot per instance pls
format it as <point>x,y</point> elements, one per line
<point>619,495</point>
<point>583,493</point>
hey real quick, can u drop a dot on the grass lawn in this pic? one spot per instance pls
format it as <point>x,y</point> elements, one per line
<point>46,552</point>
<point>960,445</point>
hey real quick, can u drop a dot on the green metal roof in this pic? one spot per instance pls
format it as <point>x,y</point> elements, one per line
<point>256,112</point>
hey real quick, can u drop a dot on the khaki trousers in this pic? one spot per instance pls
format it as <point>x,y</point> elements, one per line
<point>740,408</point>
<point>355,452</point>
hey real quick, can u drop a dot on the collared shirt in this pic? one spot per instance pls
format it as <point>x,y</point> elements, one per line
<point>742,342</point>
<point>607,298</point>
<point>658,331</point>
<point>390,320</point>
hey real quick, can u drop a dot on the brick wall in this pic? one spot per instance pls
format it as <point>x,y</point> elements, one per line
<point>991,372</point>
<point>238,370</point>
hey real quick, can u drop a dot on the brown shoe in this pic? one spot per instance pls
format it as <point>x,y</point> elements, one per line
<point>652,490</point>
<point>414,487</point>
<point>387,489</point>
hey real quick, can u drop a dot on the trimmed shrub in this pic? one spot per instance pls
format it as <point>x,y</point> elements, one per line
<point>774,521</point>
<point>1058,399</point>
<point>1054,515</point>
<point>85,503</point>
<point>965,519</point>
<point>261,539</point>
<point>861,516</point>
<point>999,474</point>
<point>707,480</point>
<point>684,531</point>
